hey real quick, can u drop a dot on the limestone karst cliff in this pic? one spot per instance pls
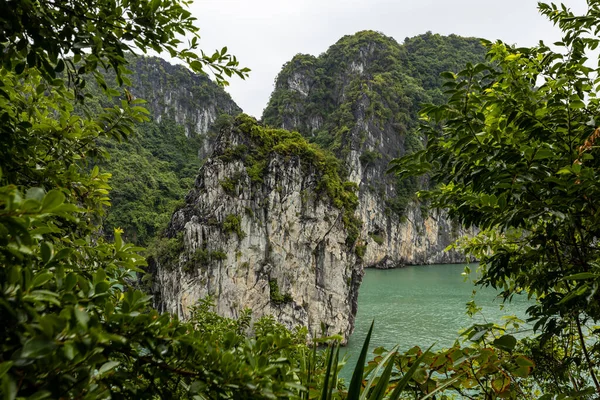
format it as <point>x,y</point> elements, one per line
<point>360,99</point>
<point>277,224</point>
<point>156,166</point>
<point>268,225</point>
<point>173,91</point>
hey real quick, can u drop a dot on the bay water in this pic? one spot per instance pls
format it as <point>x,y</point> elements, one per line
<point>421,306</point>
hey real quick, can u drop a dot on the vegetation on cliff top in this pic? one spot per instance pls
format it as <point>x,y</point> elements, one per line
<point>371,78</point>
<point>263,142</point>
<point>266,141</point>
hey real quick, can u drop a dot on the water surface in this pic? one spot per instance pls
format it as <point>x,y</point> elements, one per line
<point>421,305</point>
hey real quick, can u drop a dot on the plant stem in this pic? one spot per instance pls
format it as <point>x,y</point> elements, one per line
<point>587,355</point>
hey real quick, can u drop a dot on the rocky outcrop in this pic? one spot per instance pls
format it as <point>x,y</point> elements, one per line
<point>271,225</point>
<point>263,228</point>
<point>176,94</point>
<point>396,229</point>
<point>361,99</point>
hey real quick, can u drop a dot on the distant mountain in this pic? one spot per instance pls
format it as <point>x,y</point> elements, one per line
<point>360,99</point>
<point>157,166</point>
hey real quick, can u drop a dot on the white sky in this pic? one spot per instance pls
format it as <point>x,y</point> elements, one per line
<point>264,34</point>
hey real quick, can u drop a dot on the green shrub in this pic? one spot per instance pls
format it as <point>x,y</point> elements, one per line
<point>377,238</point>
<point>166,251</point>
<point>233,224</point>
<point>238,152</point>
<point>203,258</point>
<point>369,156</point>
<point>256,170</point>
<point>218,255</point>
<point>360,251</point>
<point>276,296</point>
<point>229,185</point>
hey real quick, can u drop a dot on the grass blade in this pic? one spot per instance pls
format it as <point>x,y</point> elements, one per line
<point>357,375</point>
<point>325,388</point>
<point>404,381</point>
<point>444,386</point>
<point>335,371</point>
<point>379,390</point>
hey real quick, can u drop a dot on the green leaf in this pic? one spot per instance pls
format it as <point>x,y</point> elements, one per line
<point>52,200</point>
<point>47,251</point>
<point>477,335</point>
<point>70,281</point>
<point>543,153</point>
<point>69,351</point>
<point>4,367</point>
<point>82,316</point>
<point>580,276</point>
<point>420,376</point>
<point>43,394</point>
<point>63,253</point>
<point>521,372</point>
<point>196,66</point>
<point>107,366</point>
<point>506,343</point>
<point>357,375</point>
<point>60,66</point>
<point>41,278</point>
<point>9,388</point>
<point>101,287</point>
<point>99,276</point>
<point>448,75</point>
<point>524,362</point>
<point>501,383</point>
<point>37,348</point>
<point>35,193</point>
<point>20,67</point>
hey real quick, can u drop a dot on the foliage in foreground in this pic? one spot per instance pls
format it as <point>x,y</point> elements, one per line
<point>523,164</point>
<point>515,152</point>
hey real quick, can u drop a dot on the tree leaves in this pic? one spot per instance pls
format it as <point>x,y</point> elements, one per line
<point>505,342</point>
<point>512,154</point>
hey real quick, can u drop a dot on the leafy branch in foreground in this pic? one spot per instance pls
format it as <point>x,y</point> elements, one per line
<point>515,153</point>
<point>83,36</point>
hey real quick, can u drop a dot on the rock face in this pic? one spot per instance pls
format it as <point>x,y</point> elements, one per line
<point>273,223</point>
<point>360,99</point>
<point>175,93</point>
<point>271,240</point>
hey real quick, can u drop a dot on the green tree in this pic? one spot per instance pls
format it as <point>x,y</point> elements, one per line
<point>515,152</point>
<point>72,327</point>
<point>150,175</point>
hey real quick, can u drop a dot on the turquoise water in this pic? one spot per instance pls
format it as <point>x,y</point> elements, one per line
<point>421,305</point>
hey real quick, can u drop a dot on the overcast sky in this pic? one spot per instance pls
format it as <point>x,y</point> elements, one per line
<point>264,34</point>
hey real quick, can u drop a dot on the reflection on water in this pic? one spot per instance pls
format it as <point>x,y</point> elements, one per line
<point>421,305</point>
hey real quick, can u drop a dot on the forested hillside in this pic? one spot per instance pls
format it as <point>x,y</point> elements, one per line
<point>154,168</point>
<point>318,95</point>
